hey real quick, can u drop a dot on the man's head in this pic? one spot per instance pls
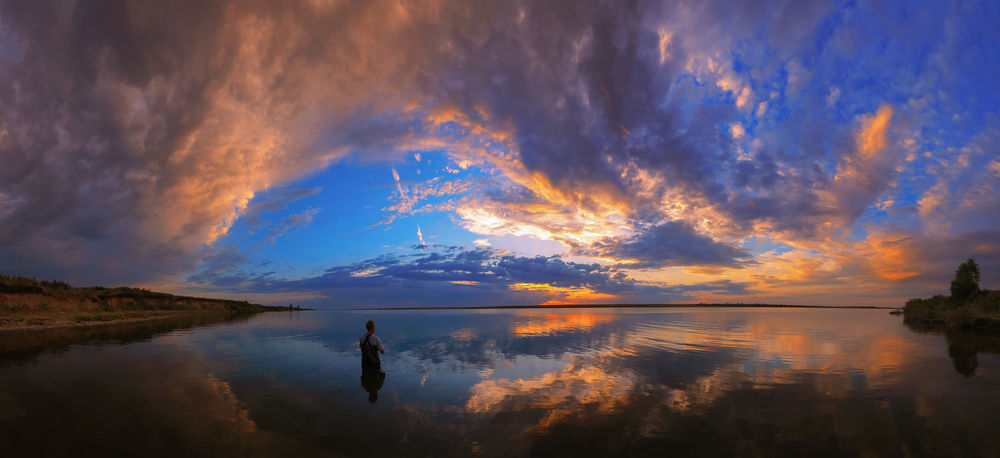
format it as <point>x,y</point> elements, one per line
<point>370,326</point>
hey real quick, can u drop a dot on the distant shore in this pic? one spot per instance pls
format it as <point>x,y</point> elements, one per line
<point>28,304</point>
<point>594,306</point>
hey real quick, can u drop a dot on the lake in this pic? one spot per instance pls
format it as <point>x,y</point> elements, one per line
<point>521,382</point>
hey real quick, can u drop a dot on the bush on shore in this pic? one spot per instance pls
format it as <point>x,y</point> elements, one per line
<point>968,305</point>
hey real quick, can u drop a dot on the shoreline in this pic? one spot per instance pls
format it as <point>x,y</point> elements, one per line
<point>27,304</point>
<point>593,306</point>
<point>37,323</point>
<point>977,324</point>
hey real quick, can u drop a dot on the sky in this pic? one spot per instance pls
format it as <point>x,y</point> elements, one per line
<point>440,153</point>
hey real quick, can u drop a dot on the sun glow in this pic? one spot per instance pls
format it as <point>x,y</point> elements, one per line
<point>551,323</point>
<point>564,294</point>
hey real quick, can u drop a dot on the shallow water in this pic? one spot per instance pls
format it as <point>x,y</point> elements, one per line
<point>565,382</point>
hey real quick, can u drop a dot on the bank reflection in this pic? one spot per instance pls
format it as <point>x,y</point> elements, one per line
<point>129,405</point>
<point>964,345</point>
<point>18,347</point>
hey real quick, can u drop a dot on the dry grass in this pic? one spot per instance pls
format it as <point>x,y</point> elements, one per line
<point>26,303</point>
<point>982,310</point>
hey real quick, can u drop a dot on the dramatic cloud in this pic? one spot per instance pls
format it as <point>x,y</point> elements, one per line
<point>457,276</point>
<point>804,143</point>
<point>486,273</point>
<point>671,243</point>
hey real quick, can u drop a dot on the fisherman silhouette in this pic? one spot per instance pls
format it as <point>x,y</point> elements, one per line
<point>372,376</point>
<point>371,346</point>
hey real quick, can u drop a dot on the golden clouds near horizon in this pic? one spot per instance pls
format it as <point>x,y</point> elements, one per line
<point>562,294</point>
<point>890,256</point>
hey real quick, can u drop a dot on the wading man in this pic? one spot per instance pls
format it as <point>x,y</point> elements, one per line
<point>371,346</point>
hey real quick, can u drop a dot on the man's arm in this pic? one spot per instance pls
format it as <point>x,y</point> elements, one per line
<point>381,348</point>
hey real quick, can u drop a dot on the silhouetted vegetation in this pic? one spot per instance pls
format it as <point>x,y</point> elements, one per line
<point>27,302</point>
<point>966,282</point>
<point>968,305</point>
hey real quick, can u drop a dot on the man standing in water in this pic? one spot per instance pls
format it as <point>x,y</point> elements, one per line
<point>371,346</point>
<point>372,376</point>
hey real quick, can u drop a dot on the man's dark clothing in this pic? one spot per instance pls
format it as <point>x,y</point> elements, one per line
<point>370,348</point>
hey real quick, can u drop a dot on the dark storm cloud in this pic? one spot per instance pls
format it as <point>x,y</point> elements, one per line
<point>134,133</point>
<point>89,154</point>
<point>672,243</point>
<point>721,287</point>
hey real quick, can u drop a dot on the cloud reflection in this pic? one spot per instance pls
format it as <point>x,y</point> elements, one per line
<point>721,381</point>
<point>636,364</point>
<point>543,324</point>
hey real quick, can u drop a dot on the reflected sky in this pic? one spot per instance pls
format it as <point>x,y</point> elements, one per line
<point>712,381</point>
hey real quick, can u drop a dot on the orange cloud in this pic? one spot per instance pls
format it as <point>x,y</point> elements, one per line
<point>859,169</point>
<point>871,139</point>
<point>564,294</point>
<point>890,256</point>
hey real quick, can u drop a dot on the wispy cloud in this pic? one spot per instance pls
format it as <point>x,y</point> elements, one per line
<point>420,236</point>
<point>657,136</point>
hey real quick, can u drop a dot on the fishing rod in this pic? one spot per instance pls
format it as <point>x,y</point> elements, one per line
<point>398,333</point>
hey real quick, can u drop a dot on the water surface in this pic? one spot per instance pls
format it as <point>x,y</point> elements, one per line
<point>586,382</point>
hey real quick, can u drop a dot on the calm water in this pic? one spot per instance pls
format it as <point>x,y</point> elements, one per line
<point>596,382</point>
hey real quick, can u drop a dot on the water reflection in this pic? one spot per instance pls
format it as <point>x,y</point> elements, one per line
<point>372,380</point>
<point>499,383</point>
<point>964,345</point>
<point>543,324</point>
<point>19,347</point>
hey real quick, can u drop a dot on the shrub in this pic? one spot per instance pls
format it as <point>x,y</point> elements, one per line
<point>926,309</point>
<point>986,301</point>
<point>966,282</point>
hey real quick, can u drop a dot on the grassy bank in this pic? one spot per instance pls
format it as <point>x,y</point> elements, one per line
<point>983,310</point>
<point>968,306</point>
<point>26,303</point>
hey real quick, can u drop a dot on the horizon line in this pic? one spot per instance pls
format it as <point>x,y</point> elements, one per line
<point>570,306</point>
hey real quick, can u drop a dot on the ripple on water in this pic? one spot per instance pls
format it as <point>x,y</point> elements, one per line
<point>634,382</point>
